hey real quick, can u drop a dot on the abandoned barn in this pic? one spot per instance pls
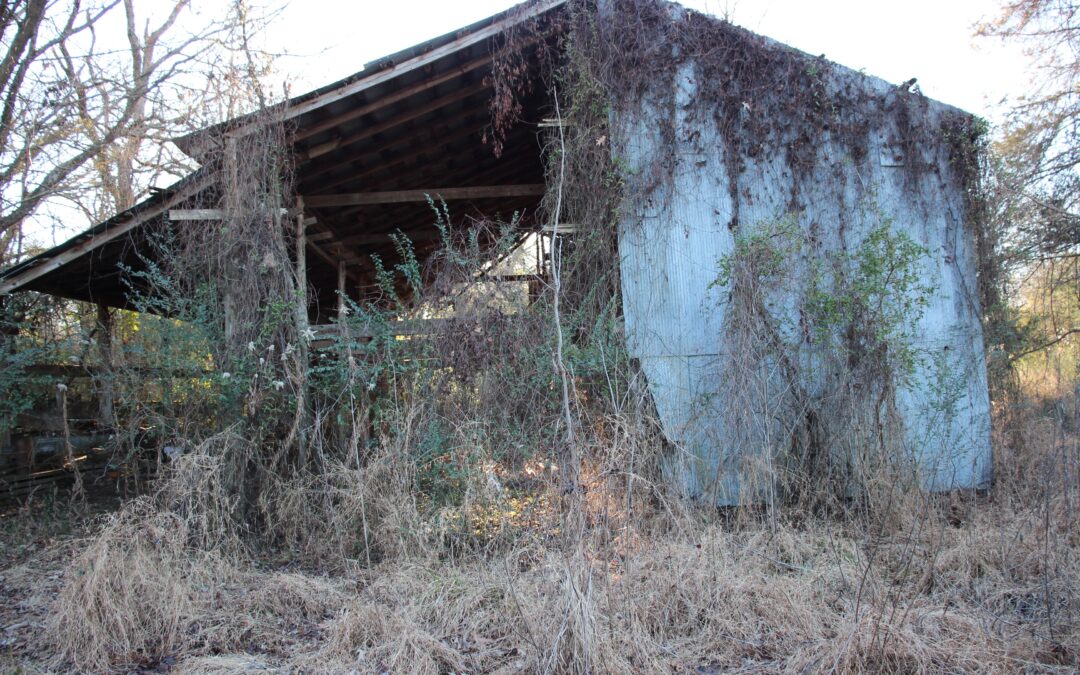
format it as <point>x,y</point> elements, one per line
<point>750,178</point>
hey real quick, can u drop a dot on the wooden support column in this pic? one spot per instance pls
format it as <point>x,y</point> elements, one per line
<point>7,346</point>
<point>107,395</point>
<point>343,318</point>
<point>229,300</point>
<point>348,433</point>
<point>302,331</point>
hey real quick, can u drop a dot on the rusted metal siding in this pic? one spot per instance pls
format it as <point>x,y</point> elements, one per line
<point>671,243</point>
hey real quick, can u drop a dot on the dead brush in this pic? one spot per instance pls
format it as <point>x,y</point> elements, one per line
<point>429,617</point>
<point>320,518</point>
<point>131,594</point>
<point>344,515</point>
<point>141,592</point>
<point>263,612</point>
<point>205,489</point>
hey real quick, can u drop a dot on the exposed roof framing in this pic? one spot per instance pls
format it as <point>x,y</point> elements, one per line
<point>391,67</point>
<point>366,149</point>
<point>423,194</point>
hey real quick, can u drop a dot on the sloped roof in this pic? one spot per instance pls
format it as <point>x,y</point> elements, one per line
<point>409,122</point>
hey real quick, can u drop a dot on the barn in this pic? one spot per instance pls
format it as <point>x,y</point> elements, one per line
<point>792,238</point>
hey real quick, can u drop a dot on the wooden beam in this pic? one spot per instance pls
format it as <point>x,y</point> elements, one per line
<point>476,37</point>
<point>204,214</point>
<point>414,113</point>
<point>384,101</point>
<point>422,195</point>
<point>407,327</point>
<point>196,214</point>
<point>107,395</point>
<point>97,240</point>
<point>387,237</point>
<point>561,228</point>
<point>393,216</point>
<point>430,144</point>
<point>520,169</point>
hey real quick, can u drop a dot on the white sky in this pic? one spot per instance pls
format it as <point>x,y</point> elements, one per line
<point>928,39</point>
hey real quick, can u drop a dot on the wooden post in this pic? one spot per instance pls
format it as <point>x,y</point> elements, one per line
<point>7,346</point>
<point>343,319</point>
<point>232,171</point>
<point>302,330</point>
<point>107,395</point>
<point>69,456</point>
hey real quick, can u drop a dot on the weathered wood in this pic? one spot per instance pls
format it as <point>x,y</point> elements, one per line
<point>302,418</point>
<point>399,95</point>
<point>421,145</point>
<point>422,195</point>
<point>203,214</point>
<point>388,237</point>
<point>397,328</point>
<point>561,228</point>
<point>476,37</point>
<point>67,370</point>
<point>100,239</point>
<point>343,318</point>
<point>108,378</point>
<point>196,214</point>
<point>375,129</point>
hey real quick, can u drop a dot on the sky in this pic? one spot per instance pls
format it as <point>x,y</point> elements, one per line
<point>928,39</point>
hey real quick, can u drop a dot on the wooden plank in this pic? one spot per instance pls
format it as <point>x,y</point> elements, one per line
<point>422,195</point>
<point>500,171</point>
<point>196,214</point>
<point>67,370</point>
<point>384,101</point>
<point>412,64</point>
<point>203,214</point>
<point>387,237</point>
<point>333,259</point>
<point>96,241</point>
<point>413,113</point>
<point>561,228</point>
<point>408,327</point>
<point>430,144</point>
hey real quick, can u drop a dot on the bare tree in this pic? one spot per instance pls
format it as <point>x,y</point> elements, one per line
<point>86,113</point>
<point>1036,201</point>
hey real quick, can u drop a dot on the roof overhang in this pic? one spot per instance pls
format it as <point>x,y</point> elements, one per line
<point>369,149</point>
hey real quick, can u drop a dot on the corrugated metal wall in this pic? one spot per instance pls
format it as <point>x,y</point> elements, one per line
<point>671,241</point>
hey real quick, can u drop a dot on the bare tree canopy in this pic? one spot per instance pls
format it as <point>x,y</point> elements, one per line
<point>91,90</point>
<point>1035,203</point>
<point>1041,144</point>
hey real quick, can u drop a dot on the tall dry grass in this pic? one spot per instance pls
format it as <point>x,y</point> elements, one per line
<point>961,582</point>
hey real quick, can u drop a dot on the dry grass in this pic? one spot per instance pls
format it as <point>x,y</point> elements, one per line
<point>138,596</point>
<point>960,583</point>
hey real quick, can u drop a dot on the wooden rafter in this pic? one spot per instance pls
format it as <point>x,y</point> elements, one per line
<point>384,101</point>
<point>498,172</point>
<point>431,144</point>
<point>414,113</point>
<point>422,195</point>
<point>475,37</point>
<point>96,241</point>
